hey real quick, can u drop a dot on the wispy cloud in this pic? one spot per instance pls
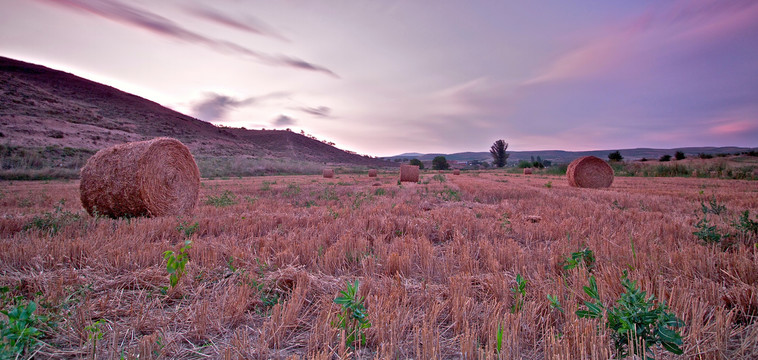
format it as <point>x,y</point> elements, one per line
<point>253,26</point>
<point>142,19</point>
<point>320,111</point>
<point>215,107</point>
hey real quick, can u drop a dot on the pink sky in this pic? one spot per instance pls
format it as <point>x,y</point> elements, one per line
<point>388,77</point>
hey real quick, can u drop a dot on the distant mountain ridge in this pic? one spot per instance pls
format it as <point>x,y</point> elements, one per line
<point>561,156</point>
<point>41,107</point>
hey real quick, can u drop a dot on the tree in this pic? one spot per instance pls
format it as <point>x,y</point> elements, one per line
<point>615,156</point>
<point>417,162</point>
<point>666,157</point>
<point>499,156</point>
<point>440,163</point>
<point>679,155</point>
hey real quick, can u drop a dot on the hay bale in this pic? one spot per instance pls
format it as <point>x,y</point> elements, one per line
<point>328,173</point>
<point>145,178</point>
<point>527,171</point>
<point>456,172</point>
<point>372,173</point>
<point>589,172</point>
<point>409,173</point>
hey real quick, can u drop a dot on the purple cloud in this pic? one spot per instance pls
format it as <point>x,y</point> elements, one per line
<point>284,120</point>
<point>125,14</point>
<point>252,26</point>
<point>320,111</point>
<point>215,107</point>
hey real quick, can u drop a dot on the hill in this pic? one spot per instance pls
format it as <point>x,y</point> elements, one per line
<point>563,157</point>
<point>42,110</point>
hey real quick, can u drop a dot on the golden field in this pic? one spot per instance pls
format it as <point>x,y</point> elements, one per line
<point>435,260</point>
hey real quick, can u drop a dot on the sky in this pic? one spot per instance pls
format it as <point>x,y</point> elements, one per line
<point>431,76</point>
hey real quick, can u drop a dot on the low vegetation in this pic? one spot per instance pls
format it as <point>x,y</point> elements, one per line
<point>359,267</point>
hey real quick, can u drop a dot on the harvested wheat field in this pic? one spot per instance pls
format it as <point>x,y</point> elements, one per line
<point>437,263</point>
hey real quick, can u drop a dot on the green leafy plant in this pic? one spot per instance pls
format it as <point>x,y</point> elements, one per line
<point>266,185</point>
<point>187,230</point>
<point>617,205</point>
<point>505,222</point>
<point>292,190</point>
<point>175,263</point>
<point>713,207</point>
<point>519,293</point>
<point>585,257</point>
<point>554,302</point>
<point>450,195</point>
<point>353,317</point>
<point>439,177</point>
<point>706,232</point>
<point>636,323</point>
<point>94,333</point>
<point>549,184</point>
<point>499,339</point>
<point>227,198</point>
<point>20,333</point>
<point>745,225</point>
<point>52,222</point>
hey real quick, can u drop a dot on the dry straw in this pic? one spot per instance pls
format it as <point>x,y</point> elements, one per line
<point>527,171</point>
<point>146,178</point>
<point>456,172</point>
<point>328,173</point>
<point>589,172</point>
<point>372,173</point>
<point>409,173</point>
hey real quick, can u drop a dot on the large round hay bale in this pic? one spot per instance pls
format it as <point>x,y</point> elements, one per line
<point>527,171</point>
<point>145,178</point>
<point>372,173</point>
<point>409,173</point>
<point>456,172</point>
<point>589,172</point>
<point>328,173</point>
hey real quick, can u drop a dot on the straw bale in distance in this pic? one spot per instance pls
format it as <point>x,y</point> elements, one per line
<point>589,172</point>
<point>328,173</point>
<point>409,173</point>
<point>372,173</point>
<point>157,177</point>
<point>527,171</point>
<point>456,172</point>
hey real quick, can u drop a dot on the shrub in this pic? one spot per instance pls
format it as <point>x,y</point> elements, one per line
<point>522,164</point>
<point>705,232</point>
<point>615,156</point>
<point>636,323</point>
<point>745,225</point>
<point>585,257</point>
<point>666,157</point>
<point>679,155</point>
<point>353,318</point>
<point>20,333</point>
<point>52,222</point>
<point>227,198</point>
<point>705,156</point>
<point>417,162</point>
